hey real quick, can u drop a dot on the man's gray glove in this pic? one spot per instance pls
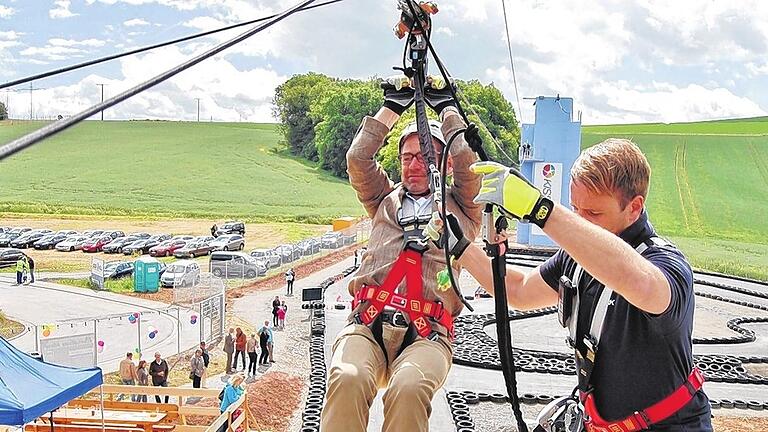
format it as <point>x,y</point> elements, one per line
<point>398,93</point>
<point>457,243</point>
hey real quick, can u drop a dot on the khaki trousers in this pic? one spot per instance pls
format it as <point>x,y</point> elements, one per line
<point>359,368</point>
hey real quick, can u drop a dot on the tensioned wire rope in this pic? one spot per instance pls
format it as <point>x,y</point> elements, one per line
<point>56,127</point>
<point>148,48</point>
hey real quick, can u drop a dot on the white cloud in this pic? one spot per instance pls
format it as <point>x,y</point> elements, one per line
<point>6,11</point>
<point>50,52</point>
<point>135,22</point>
<point>227,93</point>
<point>74,43</point>
<point>10,35</point>
<point>61,10</point>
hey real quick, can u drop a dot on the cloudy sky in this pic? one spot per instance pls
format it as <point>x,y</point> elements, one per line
<point>621,61</point>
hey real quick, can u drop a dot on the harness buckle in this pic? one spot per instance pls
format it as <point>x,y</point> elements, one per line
<point>356,318</point>
<point>433,336</point>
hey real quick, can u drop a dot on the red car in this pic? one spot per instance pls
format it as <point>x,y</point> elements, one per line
<point>96,245</point>
<point>166,248</point>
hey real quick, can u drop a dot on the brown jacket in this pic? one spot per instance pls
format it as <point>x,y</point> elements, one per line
<point>381,199</point>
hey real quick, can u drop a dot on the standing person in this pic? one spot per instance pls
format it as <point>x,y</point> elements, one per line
<point>411,357</point>
<point>264,343</point>
<point>128,374</point>
<point>290,275</point>
<point>275,306</point>
<point>240,342</point>
<point>142,379</point>
<point>281,317</point>
<point>214,228</point>
<point>632,292</point>
<point>206,361</point>
<point>197,368</point>
<point>251,347</point>
<point>229,348</point>
<point>31,263</point>
<point>159,371</point>
<point>20,270</point>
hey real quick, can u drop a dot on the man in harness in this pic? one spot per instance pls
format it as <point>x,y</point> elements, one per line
<point>625,295</point>
<point>399,335</point>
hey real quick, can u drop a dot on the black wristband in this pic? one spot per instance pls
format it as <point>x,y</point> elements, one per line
<point>541,212</point>
<point>397,108</point>
<point>460,247</point>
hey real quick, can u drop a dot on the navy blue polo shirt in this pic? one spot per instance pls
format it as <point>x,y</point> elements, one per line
<point>642,358</point>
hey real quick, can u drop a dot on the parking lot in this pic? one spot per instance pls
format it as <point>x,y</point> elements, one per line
<point>257,236</point>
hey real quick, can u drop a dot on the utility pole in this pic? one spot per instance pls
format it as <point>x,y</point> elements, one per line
<point>102,99</point>
<point>198,109</point>
<point>31,89</point>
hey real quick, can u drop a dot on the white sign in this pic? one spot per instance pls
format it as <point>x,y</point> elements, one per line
<point>548,178</point>
<point>97,272</point>
<point>74,351</point>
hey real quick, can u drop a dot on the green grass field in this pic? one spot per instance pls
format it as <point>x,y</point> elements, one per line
<point>709,192</point>
<point>169,169</point>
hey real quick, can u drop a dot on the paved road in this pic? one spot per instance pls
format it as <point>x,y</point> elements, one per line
<point>74,309</point>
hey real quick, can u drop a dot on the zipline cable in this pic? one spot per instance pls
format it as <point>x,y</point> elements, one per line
<point>54,128</point>
<point>512,63</point>
<point>148,48</point>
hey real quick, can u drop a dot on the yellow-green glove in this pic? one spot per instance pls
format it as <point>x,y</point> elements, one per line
<point>512,193</point>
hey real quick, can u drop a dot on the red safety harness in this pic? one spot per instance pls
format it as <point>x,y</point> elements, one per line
<point>419,311</point>
<point>641,420</point>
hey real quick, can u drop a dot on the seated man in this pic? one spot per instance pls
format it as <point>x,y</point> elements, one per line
<point>390,352</point>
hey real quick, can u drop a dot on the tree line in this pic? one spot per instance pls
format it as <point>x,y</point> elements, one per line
<point>319,116</point>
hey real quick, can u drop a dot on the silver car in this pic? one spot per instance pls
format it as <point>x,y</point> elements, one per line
<point>72,243</point>
<point>235,265</point>
<point>269,257</point>
<point>228,242</point>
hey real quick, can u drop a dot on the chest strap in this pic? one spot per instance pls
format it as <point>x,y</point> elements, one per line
<point>412,303</point>
<point>641,420</point>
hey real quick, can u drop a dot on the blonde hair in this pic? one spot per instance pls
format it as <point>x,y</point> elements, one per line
<point>615,166</point>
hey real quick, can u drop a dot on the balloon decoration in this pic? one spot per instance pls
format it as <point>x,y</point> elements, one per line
<point>48,329</point>
<point>132,319</point>
<point>152,332</point>
<point>100,346</point>
<point>193,319</point>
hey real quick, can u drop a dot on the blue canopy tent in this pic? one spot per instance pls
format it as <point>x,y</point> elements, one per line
<point>30,388</point>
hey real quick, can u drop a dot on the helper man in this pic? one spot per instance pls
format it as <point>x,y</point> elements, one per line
<point>389,352</point>
<point>645,349</point>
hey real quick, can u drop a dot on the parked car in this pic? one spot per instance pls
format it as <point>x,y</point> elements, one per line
<point>50,240</point>
<point>96,244</point>
<point>309,246</point>
<point>72,243</point>
<point>139,235</point>
<point>7,237</point>
<point>235,264</point>
<point>231,227</point>
<point>9,256</point>
<point>349,239</point>
<point>270,257</point>
<point>286,253</point>
<point>183,237</point>
<point>142,246</point>
<point>114,234</point>
<point>331,240</point>
<point>29,238</point>
<point>93,233</point>
<point>118,269</point>
<point>116,245</point>
<point>4,229</point>
<point>228,242</point>
<point>193,249</point>
<point>181,273</point>
<point>167,248</point>
<point>204,238</point>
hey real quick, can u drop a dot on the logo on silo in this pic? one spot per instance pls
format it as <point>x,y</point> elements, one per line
<point>548,171</point>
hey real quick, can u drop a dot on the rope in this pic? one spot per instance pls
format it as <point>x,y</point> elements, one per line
<point>512,62</point>
<point>147,48</point>
<point>54,128</point>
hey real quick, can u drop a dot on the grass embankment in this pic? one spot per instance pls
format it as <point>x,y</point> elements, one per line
<point>169,170</point>
<point>709,188</point>
<point>9,327</point>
